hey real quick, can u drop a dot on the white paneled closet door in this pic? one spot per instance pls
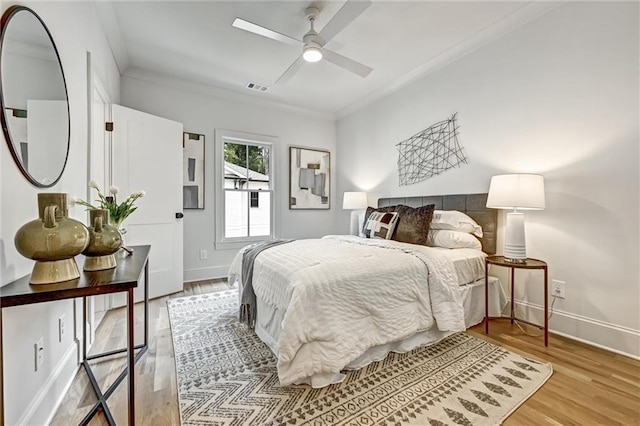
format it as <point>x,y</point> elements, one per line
<point>100,172</point>
<point>147,155</point>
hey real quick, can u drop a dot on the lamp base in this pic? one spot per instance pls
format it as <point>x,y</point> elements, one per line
<point>515,249</point>
<point>355,222</point>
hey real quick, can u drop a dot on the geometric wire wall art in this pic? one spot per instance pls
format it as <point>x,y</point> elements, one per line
<point>430,152</point>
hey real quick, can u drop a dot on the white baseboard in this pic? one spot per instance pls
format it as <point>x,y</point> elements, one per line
<point>46,402</point>
<point>209,273</point>
<point>615,338</point>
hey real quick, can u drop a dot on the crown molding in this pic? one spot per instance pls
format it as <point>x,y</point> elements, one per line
<point>107,17</point>
<point>221,93</point>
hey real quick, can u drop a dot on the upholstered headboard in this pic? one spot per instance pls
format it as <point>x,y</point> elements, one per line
<point>473,205</point>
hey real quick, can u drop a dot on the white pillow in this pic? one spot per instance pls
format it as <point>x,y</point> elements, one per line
<point>452,239</point>
<point>454,220</point>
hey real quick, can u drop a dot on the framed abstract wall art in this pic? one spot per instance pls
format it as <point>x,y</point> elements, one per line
<point>309,179</point>
<point>192,171</point>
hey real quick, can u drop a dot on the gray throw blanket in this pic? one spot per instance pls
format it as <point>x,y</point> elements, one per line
<point>248,296</point>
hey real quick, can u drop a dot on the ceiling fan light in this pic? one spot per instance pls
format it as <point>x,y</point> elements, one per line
<point>312,52</point>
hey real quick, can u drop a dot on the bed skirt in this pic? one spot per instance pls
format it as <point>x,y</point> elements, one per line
<point>269,321</point>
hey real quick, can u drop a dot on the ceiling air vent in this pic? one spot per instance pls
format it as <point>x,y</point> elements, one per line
<point>256,86</point>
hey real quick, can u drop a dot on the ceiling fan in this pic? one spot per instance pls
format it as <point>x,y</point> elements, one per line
<point>313,43</point>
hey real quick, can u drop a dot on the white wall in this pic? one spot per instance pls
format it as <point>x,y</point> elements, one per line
<point>31,396</point>
<point>557,96</point>
<point>202,110</point>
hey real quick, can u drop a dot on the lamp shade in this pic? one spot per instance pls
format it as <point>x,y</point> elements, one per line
<point>516,191</point>
<point>354,200</point>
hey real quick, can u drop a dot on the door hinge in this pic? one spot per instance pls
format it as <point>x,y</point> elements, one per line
<point>108,126</point>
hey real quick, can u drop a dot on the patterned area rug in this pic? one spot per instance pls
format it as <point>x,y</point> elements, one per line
<point>227,376</point>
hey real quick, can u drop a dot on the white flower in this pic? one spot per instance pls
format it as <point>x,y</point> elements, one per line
<point>114,190</point>
<point>142,193</point>
<point>93,184</point>
<point>75,201</point>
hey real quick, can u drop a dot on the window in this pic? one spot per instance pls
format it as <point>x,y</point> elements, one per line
<point>245,186</point>
<point>255,199</point>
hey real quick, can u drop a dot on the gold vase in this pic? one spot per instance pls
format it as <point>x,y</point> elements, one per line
<point>104,241</point>
<point>53,240</point>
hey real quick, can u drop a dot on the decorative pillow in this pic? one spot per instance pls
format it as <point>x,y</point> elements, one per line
<point>413,223</point>
<point>381,225</point>
<point>453,239</point>
<point>371,210</point>
<point>454,220</point>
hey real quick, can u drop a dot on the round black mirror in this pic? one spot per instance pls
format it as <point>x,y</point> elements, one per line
<point>33,91</point>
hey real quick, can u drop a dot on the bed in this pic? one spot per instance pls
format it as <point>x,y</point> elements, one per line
<point>341,302</point>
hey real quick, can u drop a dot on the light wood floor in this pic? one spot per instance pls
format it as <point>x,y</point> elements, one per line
<point>589,386</point>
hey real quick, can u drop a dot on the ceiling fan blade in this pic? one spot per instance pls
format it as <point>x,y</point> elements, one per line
<point>346,63</point>
<point>265,32</point>
<point>350,11</point>
<point>290,72</point>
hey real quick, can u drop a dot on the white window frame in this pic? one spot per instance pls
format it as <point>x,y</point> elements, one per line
<point>221,137</point>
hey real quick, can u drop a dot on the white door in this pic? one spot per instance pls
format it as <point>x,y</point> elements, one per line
<point>99,171</point>
<point>99,148</point>
<point>147,155</point>
<point>43,126</point>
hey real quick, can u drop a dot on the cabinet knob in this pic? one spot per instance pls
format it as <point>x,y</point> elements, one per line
<point>179,215</point>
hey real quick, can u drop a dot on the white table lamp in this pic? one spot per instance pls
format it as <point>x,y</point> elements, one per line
<point>517,192</point>
<point>354,201</point>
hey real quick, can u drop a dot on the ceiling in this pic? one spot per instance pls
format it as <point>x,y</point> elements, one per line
<point>194,41</point>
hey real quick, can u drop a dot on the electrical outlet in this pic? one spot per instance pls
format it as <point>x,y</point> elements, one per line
<point>38,353</point>
<point>61,328</point>
<point>557,288</point>
<point>203,254</point>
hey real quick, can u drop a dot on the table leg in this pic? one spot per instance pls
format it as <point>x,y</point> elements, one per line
<point>84,328</point>
<point>146,304</point>
<point>486,298</point>
<point>130,357</point>
<point>1,375</point>
<point>513,296</point>
<point>546,309</point>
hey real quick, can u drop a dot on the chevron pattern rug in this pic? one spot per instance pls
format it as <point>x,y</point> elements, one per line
<point>227,376</point>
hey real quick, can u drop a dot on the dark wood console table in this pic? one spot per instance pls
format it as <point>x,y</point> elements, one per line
<point>124,277</point>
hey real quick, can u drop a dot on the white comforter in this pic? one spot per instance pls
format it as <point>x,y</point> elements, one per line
<point>345,294</point>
